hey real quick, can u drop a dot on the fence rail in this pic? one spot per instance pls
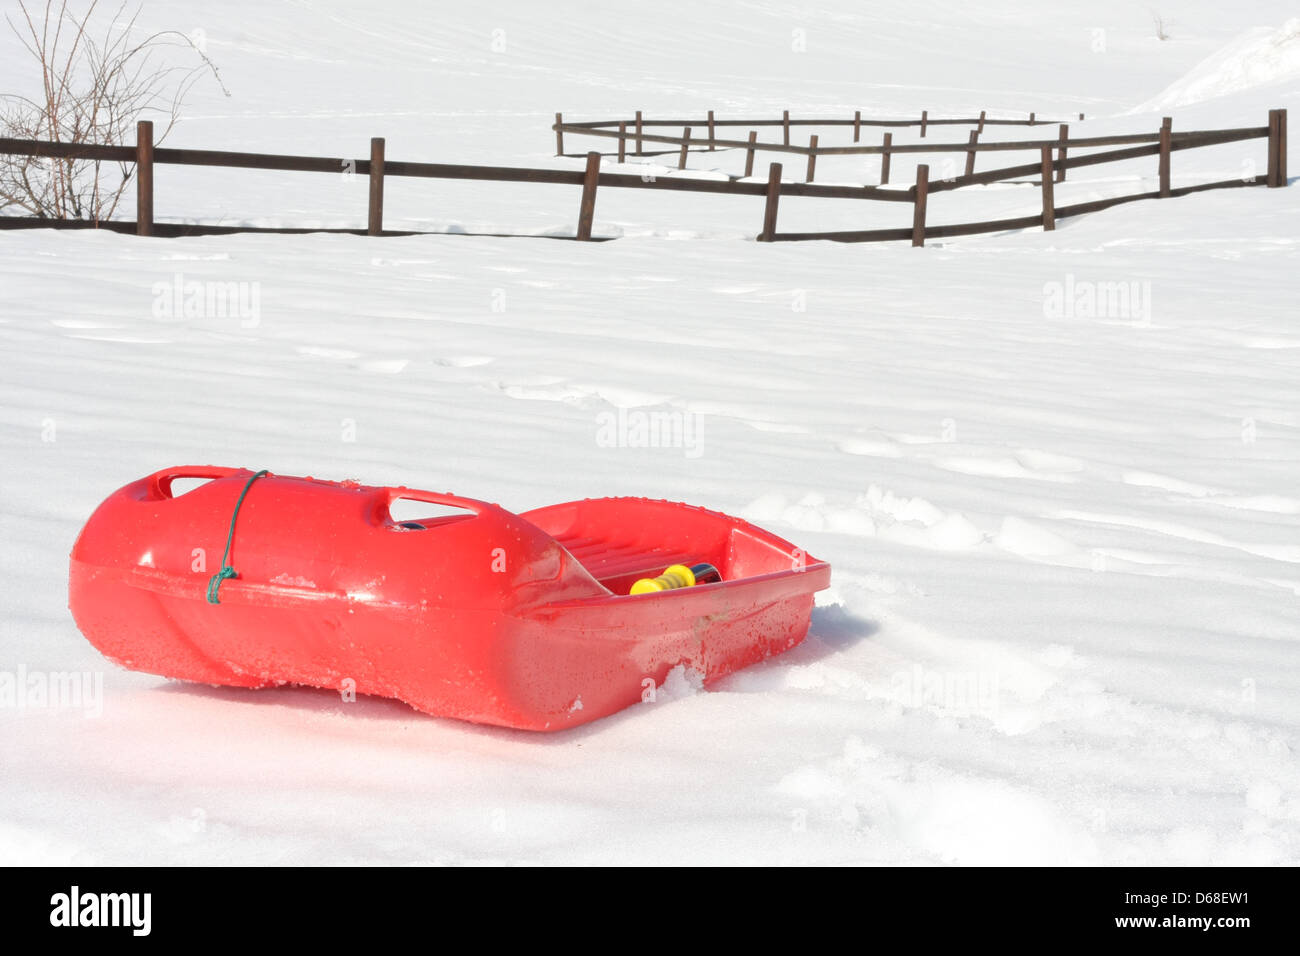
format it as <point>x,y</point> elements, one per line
<point>625,132</point>
<point>639,123</point>
<point>1052,160</point>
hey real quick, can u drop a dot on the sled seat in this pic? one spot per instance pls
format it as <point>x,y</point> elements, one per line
<point>617,566</point>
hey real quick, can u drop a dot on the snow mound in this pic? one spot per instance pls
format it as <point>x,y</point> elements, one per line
<point>1259,57</point>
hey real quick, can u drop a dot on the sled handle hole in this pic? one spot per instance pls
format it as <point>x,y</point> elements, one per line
<point>412,514</point>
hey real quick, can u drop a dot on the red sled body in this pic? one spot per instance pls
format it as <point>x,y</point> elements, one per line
<point>517,620</point>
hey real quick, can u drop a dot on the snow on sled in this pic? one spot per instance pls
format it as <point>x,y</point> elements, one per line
<point>522,620</point>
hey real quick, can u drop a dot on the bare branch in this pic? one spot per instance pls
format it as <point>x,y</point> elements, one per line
<point>94,88</point>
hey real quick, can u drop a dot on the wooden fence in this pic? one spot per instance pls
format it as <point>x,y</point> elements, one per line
<point>634,130</point>
<point>1051,161</point>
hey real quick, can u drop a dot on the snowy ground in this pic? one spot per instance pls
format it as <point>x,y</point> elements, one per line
<point>1066,542</point>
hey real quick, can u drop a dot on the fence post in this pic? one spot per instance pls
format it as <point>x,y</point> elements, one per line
<point>375,226</point>
<point>971,140</point>
<point>1080,117</point>
<point>925,115</point>
<point>1281,147</point>
<point>144,178</point>
<point>559,135</point>
<point>711,146</point>
<point>884,158</point>
<point>1031,119</point>
<point>980,128</point>
<point>1166,137</point>
<point>918,204</point>
<point>686,138</point>
<point>857,125</point>
<point>1064,136</point>
<point>773,198</point>
<point>1049,201</point>
<point>785,122</point>
<point>638,132</point>
<point>622,142</point>
<point>749,153</point>
<point>812,157</point>
<point>587,208</point>
<point>1273,150</point>
<point>1276,148</point>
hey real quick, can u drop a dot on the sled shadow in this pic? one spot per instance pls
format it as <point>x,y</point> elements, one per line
<point>833,631</point>
<point>300,697</point>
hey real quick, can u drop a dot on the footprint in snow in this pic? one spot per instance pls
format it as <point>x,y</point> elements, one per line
<point>1032,466</point>
<point>869,448</point>
<point>384,366</point>
<point>314,351</point>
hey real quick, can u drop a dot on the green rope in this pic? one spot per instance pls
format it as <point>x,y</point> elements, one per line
<point>226,572</point>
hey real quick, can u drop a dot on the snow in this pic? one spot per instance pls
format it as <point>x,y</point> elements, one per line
<point>1259,58</point>
<point>1062,626</point>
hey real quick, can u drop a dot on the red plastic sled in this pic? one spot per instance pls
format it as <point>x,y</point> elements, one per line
<point>484,615</point>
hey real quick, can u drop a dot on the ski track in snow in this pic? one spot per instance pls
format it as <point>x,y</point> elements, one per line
<point>1063,620</point>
